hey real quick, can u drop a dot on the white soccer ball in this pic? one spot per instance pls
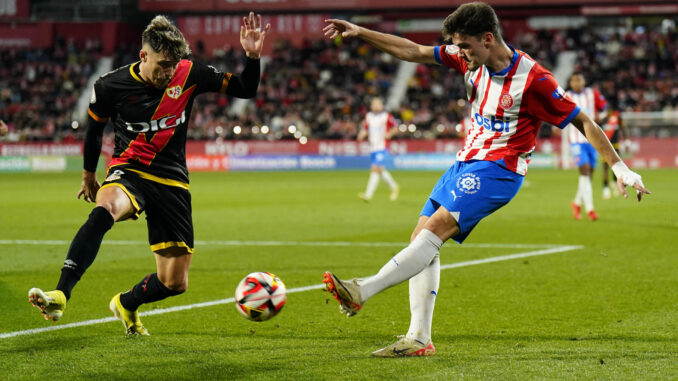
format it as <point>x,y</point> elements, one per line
<point>260,296</point>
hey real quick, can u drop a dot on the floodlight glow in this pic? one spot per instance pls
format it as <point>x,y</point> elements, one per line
<point>264,130</point>
<point>75,125</point>
<point>303,140</point>
<point>411,128</point>
<point>237,130</point>
<point>292,128</point>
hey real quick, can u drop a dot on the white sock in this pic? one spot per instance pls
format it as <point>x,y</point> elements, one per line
<point>578,196</point>
<point>372,184</point>
<point>423,294</point>
<point>386,175</point>
<point>404,265</point>
<point>586,192</point>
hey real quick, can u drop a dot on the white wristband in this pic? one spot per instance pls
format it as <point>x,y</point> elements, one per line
<point>627,176</point>
<point>619,167</point>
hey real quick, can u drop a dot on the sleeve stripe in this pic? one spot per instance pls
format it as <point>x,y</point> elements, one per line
<point>569,118</point>
<point>224,82</point>
<point>96,117</point>
<point>436,54</point>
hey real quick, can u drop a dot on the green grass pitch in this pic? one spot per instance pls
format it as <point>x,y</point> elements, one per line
<point>608,310</point>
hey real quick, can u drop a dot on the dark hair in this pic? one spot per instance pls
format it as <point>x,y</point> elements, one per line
<point>472,19</point>
<point>164,37</point>
<point>576,72</point>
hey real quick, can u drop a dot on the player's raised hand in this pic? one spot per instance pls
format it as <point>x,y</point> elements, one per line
<point>335,27</point>
<point>90,186</point>
<point>626,177</point>
<point>252,36</point>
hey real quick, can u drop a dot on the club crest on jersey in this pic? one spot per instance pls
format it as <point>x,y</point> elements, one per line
<point>506,101</point>
<point>468,183</point>
<point>451,49</point>
<point>115,175</point>
<point>174,92</point>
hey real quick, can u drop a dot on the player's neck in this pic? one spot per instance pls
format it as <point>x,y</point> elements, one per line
<point>141,67</point>
<point>500,58</point>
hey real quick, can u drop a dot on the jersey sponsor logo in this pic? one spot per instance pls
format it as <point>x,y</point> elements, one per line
<point>159,124</point>
<point>558,93</point>
<point>468,183</point>
<point>493,124</point>
<point>506,101</point>
<point>174,92</point>
<point>451,49</point>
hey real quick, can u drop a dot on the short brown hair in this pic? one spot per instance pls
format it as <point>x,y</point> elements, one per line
<point>472,19</point>
<point>165,38</point>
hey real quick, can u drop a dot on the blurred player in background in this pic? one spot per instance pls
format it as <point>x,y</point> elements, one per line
<point>3,128</point>
<point>585,157</point>
<point>149,103</point>
<point>614,128</point>
<point>511,95</point>
<point>379,128</point>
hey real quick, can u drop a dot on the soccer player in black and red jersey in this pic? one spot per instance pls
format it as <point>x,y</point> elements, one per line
<point>149,103</point>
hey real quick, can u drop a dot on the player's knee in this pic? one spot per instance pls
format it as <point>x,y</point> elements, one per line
<point>176,286</point>
<point>109,206</point>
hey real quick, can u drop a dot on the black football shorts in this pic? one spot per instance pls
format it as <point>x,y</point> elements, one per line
<point>167,204</point>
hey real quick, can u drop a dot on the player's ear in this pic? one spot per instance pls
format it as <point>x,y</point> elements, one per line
<point>143,55</point>
<point>487,39</point>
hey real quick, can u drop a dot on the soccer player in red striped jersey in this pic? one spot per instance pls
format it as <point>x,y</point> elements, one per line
<point>510,95</point>
<point>379,128</point>
<point>594,104</point>
<point>149,104</point>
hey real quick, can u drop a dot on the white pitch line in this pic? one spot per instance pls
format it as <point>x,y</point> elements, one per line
<point>57,242</point>
<point>160,311</point>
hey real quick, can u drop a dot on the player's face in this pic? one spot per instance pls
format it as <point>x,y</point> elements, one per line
<point>157,68</point>
<point>577,83</point>
<point>473,50</point>
<point>376,105</point>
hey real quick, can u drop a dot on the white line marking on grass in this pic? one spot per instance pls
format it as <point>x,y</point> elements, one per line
<point>160,311</point>
<point>56,242</point>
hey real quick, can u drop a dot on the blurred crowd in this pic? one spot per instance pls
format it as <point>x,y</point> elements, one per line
<point>40,87</point>
<point>322,88</point>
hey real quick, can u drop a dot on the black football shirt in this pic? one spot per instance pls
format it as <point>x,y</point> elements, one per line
<point>150,124</point>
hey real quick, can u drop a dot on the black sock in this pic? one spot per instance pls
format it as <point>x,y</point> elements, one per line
<point>149,290</point>
<point>84,248</point>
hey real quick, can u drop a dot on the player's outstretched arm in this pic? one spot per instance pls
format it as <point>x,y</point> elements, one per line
<point>398,47</point>
<point>252,36</point>
<point>91,151</point>
<point>594,134</point>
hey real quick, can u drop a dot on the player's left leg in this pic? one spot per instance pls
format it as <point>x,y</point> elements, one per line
<point>170,233</point>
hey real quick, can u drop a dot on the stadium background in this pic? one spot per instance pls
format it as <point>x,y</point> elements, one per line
<point>532,295</point>
<point>314,92</point>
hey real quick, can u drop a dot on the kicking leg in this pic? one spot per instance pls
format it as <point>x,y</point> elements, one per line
<point>112,205</point>
<point>404,265</point>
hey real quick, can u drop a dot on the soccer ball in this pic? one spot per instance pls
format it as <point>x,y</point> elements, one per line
<point>260,296</point>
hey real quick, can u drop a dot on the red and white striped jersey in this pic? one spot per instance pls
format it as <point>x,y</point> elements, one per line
<point>507,108</point>
<point>591,102</point>
<point>377,125</point>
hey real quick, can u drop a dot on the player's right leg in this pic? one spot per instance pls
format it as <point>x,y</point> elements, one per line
<point>113,204</point>
<point>407,263</point>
